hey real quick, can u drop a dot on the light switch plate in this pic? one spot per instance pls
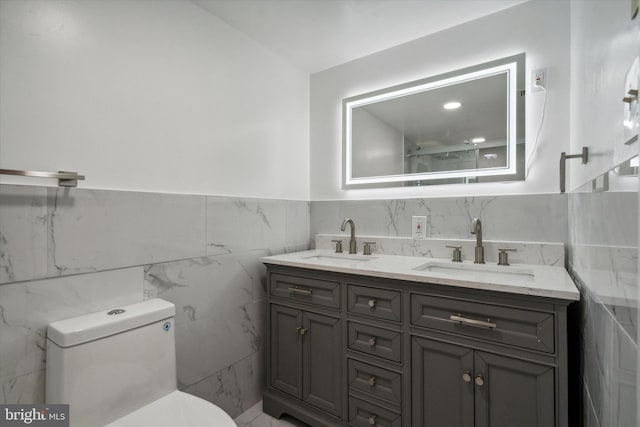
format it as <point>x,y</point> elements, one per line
<point>419,227</point>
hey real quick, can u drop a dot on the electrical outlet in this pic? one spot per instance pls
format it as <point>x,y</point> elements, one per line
<point>419,227</point>
<point>538,79</point>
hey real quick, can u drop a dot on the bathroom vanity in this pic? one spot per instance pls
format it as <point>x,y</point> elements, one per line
<point>408,341</point>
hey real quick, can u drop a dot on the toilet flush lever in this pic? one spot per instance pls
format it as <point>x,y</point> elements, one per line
<point>116,312</point>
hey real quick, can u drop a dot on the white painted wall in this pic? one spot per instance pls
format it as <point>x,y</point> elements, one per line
<point>539,28</point>
<point>604,44</point>
<point>384,153</point>
<point>149,95</point>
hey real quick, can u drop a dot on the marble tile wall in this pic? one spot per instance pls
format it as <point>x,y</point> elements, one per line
<point>27,308</point>
<point>524,218</point>
<point>65,252</point>
<point>603,258</point>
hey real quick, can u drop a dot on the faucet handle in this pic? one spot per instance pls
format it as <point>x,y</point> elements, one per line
<point>457,253</point>
<point>338,246</point>
<point>367,248</point>
<point>503,256</point>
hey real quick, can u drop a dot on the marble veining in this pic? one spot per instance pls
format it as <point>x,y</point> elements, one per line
<point>27,308</point>
<point>604,251</point>
<point>92,230</point>
<point>241,224</point>
<point>532,218</point>
<point>235,388</point>
<point>603,259</point>
<point>23,233</point>
<point>526,252</point>
<point>221,300</point>
<point>70,244</point>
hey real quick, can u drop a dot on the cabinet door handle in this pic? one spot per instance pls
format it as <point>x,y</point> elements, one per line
<point>300,291</point>
<point>479,380</point>
<point>301,330</point>
<point>466,376</point>
<point>372,302</point>
<point>373,419</point>
<point>472,322</point>
<point>372,380</point>
<point>372,341</point>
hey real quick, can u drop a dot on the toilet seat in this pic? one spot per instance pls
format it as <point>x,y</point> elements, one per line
<point>177,409</point>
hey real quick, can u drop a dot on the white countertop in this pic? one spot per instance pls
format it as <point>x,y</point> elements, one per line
<point>524,279</point>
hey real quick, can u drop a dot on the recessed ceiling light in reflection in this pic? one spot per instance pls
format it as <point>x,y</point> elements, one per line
<point>478,140</point>
<point>453,105</point>
<point>490,156</point>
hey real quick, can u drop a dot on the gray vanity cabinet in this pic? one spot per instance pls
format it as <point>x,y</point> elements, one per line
<point>349,350</point>
<point>442,391</point>
<point>321,362</point>
<point>457,386</point>
<point>305,357</point>
<point>513,393</point>
<point>286,350</point>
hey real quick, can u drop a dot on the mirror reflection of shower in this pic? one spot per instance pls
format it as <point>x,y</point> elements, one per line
<point>431,156</point>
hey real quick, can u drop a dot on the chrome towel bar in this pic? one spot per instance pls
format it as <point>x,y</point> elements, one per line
<point>65,178</point>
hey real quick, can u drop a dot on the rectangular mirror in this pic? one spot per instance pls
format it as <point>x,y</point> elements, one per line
<point>465,126</point>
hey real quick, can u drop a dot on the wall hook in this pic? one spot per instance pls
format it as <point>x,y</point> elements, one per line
<point>563,164</point>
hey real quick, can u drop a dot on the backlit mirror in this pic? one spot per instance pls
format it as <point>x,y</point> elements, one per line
<point>465,126</point>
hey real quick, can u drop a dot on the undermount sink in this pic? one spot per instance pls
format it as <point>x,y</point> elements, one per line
<point>470,270</point>
<point>339,257</point>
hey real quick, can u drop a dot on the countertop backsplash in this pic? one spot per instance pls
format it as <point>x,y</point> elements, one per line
<point>540,253</point>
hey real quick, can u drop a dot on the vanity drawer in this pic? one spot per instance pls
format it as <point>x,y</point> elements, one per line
<point>376,381</point>
<point>379,303</point>
<point>365,414</point>
<point>514,326</point>
<point>376,341</point>
<point>305,289</point>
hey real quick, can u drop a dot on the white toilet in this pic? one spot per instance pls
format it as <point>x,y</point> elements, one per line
<point>118,368</point>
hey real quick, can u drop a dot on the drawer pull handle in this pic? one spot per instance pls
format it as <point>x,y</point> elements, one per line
<point>466,376</point>
<point>373,419</point>
<point>472,322</point>
<point>372,302</point>
<point>479,380</point>
<point>300,291</point>
<point>372,381</point>
<point>301,330</point>
<point>372,341</point>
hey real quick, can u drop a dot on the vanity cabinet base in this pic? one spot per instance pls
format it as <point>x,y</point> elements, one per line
<point>392,353</point>
<point>277,404</point>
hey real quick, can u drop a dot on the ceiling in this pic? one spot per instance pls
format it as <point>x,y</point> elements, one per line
<point>318,34</point>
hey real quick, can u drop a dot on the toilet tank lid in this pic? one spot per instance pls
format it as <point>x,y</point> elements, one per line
<point>89,327</point>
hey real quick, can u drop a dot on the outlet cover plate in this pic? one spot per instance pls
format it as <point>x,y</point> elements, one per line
<point>538,79</point>
<point>419,227</point>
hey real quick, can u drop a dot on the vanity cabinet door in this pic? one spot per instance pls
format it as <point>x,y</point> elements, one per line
<point>441,384</point>
<point>306,357</point>
<point>286,350</point>
<point>322,361</point>
<point>513,392</point>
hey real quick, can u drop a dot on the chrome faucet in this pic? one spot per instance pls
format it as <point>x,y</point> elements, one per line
<point>352,241</point>
<point>476,228</point>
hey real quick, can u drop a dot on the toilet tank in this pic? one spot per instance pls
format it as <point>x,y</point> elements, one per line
<point>110,363</point>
